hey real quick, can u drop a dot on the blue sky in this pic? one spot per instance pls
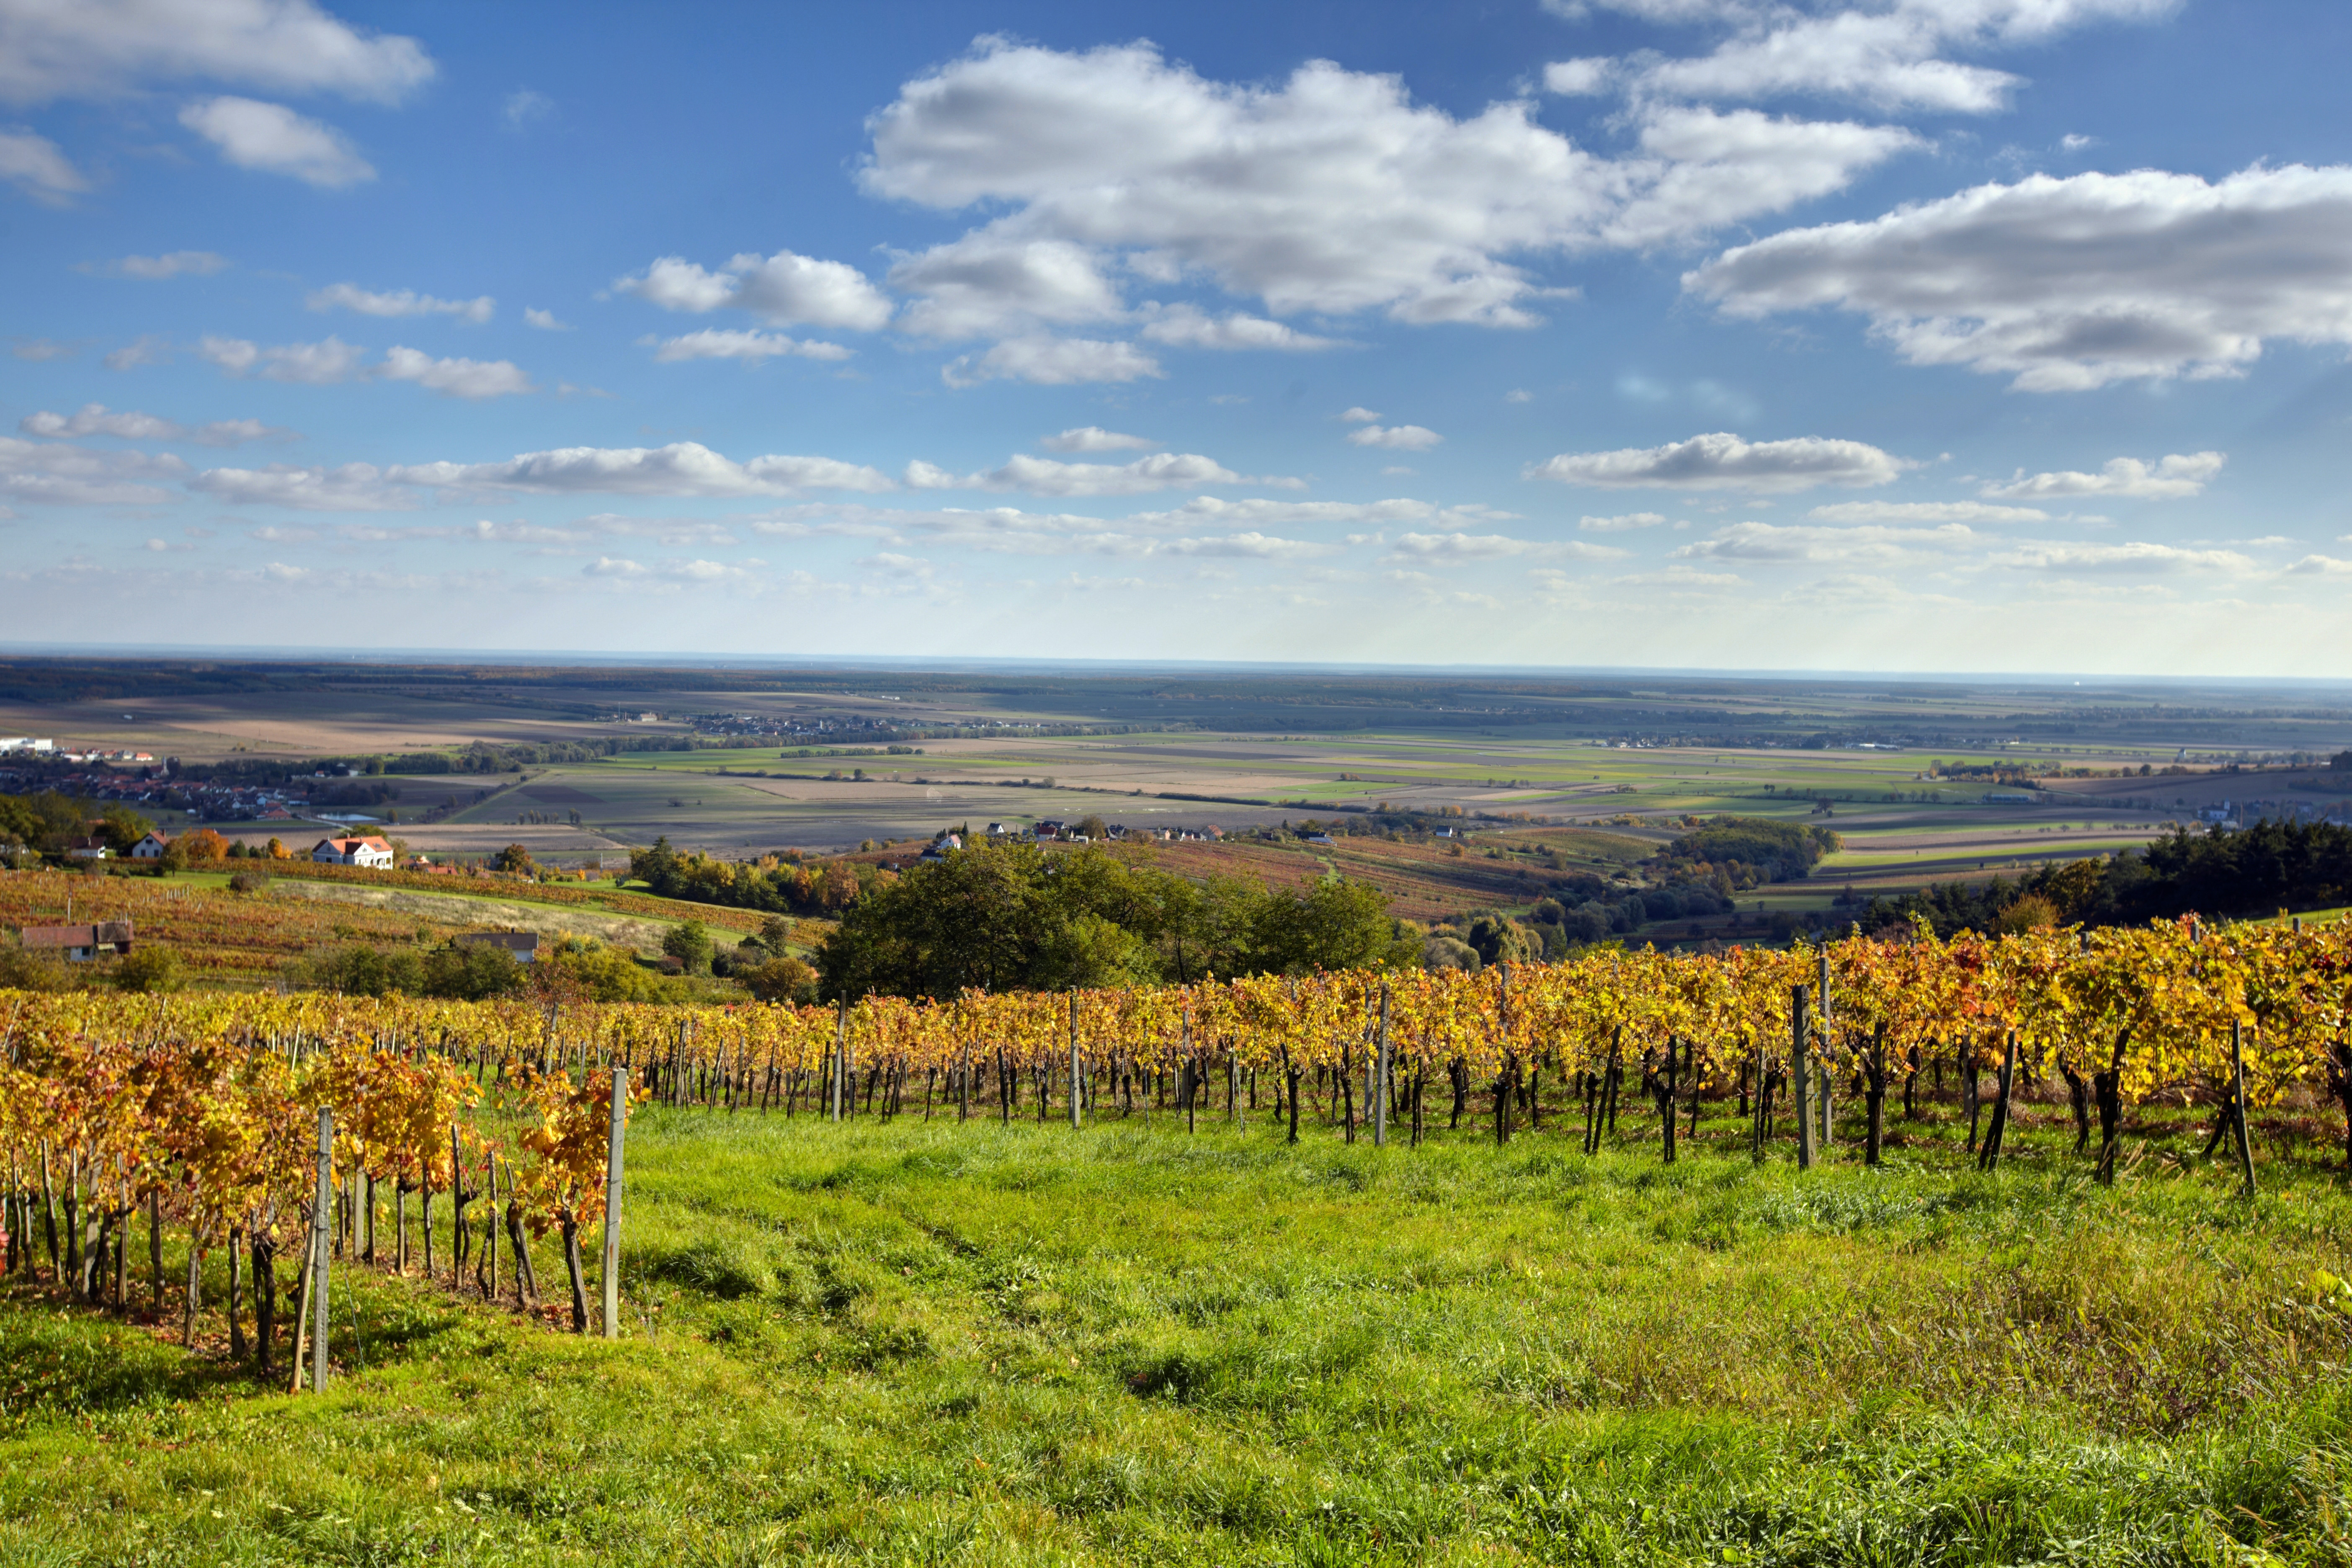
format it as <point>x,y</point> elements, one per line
<point>1905,335</point>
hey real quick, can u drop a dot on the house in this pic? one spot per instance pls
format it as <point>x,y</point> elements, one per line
<point>997,831</point>
<point>88,850</point>
<point>1049,830</point>
<point>942,845</point>
<point>522,946</point>
<point>369,852</point>
<point>151,847</point>
<point>79,944</point>
<point>1322,840</point>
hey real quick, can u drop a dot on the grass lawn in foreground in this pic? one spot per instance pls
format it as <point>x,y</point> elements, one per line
<point>914,1343</point>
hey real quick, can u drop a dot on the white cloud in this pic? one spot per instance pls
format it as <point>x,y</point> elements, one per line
<point>149,349</point>
<point>2137,557</point>
<point>525,107</point>
<point>1330,192</point>
<point>1095,438</point>
<point>1926,512</point>
<point>1622,524</point>
<point>1183,327</point>
<point>97,48</point>
<point>1579,78</point>
<point>1771,542</point>
<point>350,487</point>
<point>544,319</point>
<point>1889,57</point>
<point>94,419</point>
<point>35,165</point>
<point>1052,362</point>
<point>159,269</point>
<point>1497,546</point>
<point>40,351</point>
<point>58,474</point>
<point>2067,284</point>
<point>272,138</point>
<point>1721,461</point>
<point>680,468</point>
<point>1702,169</point>
<point>2172,478</point>
<point>1396,437</point>
<point>1518,394</point>
<point>322,364</point>
<point>466,378</point>
<point>2321,566</point>
<point>985,285</point>
<point>1361,415</point>
<point>1044,476</point>
<point>736,344</point>
<point>405,302</point>
<point>782,290</point>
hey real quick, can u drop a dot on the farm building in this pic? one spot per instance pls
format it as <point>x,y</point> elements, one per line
<point>78,944</point>
<point>151,847</point>
<point>522,944</point>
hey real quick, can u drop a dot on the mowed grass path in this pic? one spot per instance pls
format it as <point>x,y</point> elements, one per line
<point>939,1343</point>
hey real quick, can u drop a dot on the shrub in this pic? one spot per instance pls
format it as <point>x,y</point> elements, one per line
<point>148,968</point>
<point>249,882</point>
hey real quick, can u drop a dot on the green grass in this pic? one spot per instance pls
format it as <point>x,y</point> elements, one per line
<point>935,1344</point>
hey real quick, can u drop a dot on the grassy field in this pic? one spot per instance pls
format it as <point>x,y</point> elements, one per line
<point>939,1344</point>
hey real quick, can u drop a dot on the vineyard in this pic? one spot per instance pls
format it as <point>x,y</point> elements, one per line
<point>221,938</point>
<point>1125,1275</point>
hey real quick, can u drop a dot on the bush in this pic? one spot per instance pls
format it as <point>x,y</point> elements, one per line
<point>689,944</point>
<point>148,968</point>
<point>249,882</point>
<point>781,979</point>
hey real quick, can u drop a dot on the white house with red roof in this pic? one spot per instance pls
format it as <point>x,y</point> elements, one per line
<point>371,852</point>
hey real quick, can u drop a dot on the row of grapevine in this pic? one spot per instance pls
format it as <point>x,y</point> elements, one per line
<point>199,1107</point>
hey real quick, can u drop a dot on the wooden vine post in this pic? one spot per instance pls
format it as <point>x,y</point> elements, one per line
<point>1828,1063</point>
<point>612,1277</point>
<point>1075,1078</point>
<point>2238,1103</point>
<point>1800,1072</point>
<point>320,1247</point>
<point>840,1055</point>
<point>1380,1088</point>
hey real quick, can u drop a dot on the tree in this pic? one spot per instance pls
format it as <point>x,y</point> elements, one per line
<point>690,944</point>
<point>781,979</point>
<point>514,857</point>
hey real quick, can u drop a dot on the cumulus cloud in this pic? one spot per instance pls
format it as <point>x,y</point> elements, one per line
<point>1361,415</point>
<point>680,468</point>
<point>2139,557</point>
<point>1045,476</point>
<point>1622,524</point>
<point>544,319</point>
<point>161,268</point>
<point>1183,327</point>
<point>58,474</point>
<point>1049,360</point>
<point>322,364</point>
<point>1702,169</point>
<point>2321,566</point>
<point>35,166</point>
<point>1095,438</point>
<point>1770,542</point>
<point>986,284</point>
<point>275,139</point>
<point>1444,547</point>
<point>1579,78</point>
<point>403,303</point>
<point>736,344</point>
<point>96,419</point>
<point>1722,461</point>
<point>784,290</point>
<point>2171,479</point>
<point>101,48</point>
<point>2068,284</point>
<point>1395,437</point>
<point>1926,512</point>
<point>348,487</point>
<point>149,349</point>
<point>1890,57</point>
<point>469,378</point>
